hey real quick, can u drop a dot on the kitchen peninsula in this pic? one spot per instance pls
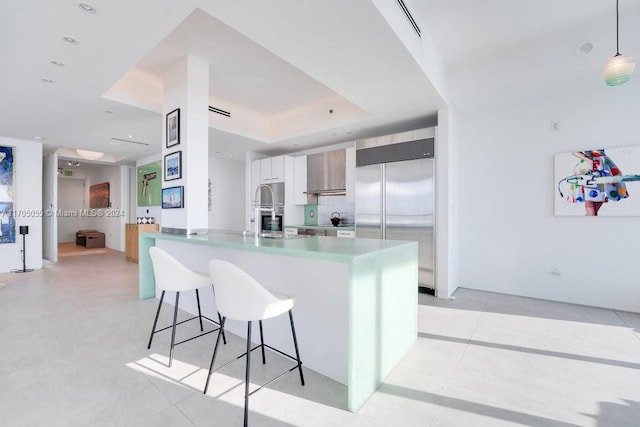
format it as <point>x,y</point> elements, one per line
<point>355,299</point>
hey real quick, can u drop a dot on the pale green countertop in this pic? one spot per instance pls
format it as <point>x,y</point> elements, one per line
<point>314,247</point>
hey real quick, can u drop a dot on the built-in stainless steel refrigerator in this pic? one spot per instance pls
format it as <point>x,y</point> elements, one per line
<point>395,193</point>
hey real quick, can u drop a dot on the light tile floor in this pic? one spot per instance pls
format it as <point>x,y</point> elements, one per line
<point>73,353</point>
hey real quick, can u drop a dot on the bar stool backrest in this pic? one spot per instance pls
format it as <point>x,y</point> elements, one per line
<point>239,296</point>
<point>172,275</point>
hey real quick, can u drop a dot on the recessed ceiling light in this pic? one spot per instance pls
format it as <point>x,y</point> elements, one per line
<point>39,138</point>
<point>70,39</point>
<point>87,7</point>
<point>57,63</point>
<point>47,80</point>
<point>584,48</point>
<point>130,136</point>
<point>108,112</point>
<point>230,155</point>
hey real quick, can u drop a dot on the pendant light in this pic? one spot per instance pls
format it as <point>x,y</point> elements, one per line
<point>619,68</point>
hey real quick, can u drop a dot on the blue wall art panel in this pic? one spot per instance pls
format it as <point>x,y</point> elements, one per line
<point>7,195</point>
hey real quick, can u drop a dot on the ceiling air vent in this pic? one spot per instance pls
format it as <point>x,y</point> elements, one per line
<point>406,12</point>
<point>219,111</point>
<point>131,141</point>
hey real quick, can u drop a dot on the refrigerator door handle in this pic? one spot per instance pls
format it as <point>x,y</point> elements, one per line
<point>383,204</point>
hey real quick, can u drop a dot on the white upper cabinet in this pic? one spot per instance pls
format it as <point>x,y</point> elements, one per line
<point>265,171</point>
<point>277,169</point>
<point>272,170</point>
<point>350,174</point>
<point>300,180</point>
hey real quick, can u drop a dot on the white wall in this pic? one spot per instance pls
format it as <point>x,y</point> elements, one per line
<point>446,208</point>
<point>28,194</point>
<point>249,157</point>
<point>228,194</point>
<point>509,236</point>
<point>50,204</point>
<point>70,200</point>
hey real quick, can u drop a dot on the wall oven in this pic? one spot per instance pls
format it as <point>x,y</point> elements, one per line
<point>266,204</point>
<point>269,224</point>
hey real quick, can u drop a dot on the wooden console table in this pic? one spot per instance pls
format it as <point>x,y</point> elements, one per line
<point>131,232</point>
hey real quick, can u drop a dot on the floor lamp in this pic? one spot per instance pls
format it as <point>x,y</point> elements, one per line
<point>24,230</point>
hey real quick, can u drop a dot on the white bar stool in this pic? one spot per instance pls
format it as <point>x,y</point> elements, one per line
<point>172,276</point>
<point>240,297</point>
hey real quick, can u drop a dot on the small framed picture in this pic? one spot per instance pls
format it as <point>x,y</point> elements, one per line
<point>173,197</point>
<point>173,166</point>
<point>173,128</point>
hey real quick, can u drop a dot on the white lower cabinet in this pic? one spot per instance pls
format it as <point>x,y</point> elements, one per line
<point>350,234</point>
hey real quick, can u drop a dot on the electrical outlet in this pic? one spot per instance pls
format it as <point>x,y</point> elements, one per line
<point>555,271</point>
<point>555,125</point>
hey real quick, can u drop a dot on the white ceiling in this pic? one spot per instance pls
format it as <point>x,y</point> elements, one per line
<point>497,51</point>
<point>279,66</point>
<point>242,71</point>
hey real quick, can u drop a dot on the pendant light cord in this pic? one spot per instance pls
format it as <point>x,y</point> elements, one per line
<point>617,31</point>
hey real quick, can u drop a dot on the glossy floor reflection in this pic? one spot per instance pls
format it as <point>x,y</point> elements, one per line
<point>74,353</point>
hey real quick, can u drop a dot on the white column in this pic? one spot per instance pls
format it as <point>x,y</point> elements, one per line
<point>186,86</point>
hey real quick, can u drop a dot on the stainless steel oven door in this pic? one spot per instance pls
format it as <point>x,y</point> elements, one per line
<point>267,224</point>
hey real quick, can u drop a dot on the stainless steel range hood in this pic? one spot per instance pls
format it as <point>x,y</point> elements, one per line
<point>326,173</point>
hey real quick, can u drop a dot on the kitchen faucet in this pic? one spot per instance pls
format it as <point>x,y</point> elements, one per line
<point>258,208</point>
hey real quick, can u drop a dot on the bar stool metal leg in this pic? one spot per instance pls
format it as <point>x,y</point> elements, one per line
<point>215,352</point>
<point>220,319</point>
<point>173,330</point>
<point>224,338</point>
<point>247,378</point>
<point>155,321</point>
<point>295,344</point>
<point>199,312</point>
<point>262,342</point>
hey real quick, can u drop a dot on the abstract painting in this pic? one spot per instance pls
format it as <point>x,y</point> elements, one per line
<point>99,195</point>
<point>7,195</point>
<point>598,182</point>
